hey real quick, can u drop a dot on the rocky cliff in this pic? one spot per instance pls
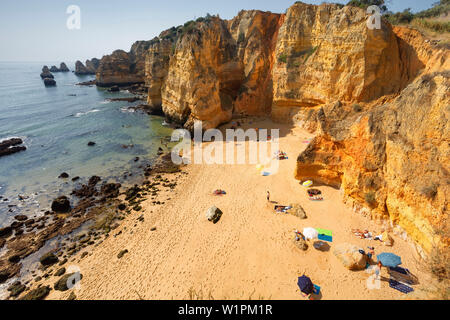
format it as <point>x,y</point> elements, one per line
<point>123,68</point>
<point>377,99</point>
<point>89,68</point>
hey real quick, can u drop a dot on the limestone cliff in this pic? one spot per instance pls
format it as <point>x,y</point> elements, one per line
<point>255,33</point>
<point>326,53</point>
<point>156,69</point>
<point>89,68</point>
<point>204,76</point>
<point>377,99</point>
<point>123,68</point>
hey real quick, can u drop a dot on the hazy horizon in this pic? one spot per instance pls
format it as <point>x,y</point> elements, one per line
<point>37,31</point>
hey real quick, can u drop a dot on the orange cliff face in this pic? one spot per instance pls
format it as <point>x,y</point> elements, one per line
<point>377,99</point>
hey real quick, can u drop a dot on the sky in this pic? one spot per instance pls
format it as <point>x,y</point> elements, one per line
<point>37,30</point>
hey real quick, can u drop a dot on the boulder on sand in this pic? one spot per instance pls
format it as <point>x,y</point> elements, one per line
<point>67,281</point>
<point>213,214</point>
<point>387,239</point>
<point>37,294</point>
<point>301,244</point>
<point>350,256</point>
<point>48,259</point>
<point>298,211</point>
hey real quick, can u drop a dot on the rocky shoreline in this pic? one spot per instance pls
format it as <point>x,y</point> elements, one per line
<point>11,146</point>
<point>104,205</point>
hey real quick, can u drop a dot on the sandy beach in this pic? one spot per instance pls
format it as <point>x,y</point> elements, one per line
<point>248,254</point>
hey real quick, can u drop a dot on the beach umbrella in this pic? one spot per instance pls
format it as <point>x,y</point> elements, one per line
<point>310,233</point>
<point>389,259</point>
<point>307,184</point>
<point>305,284</point>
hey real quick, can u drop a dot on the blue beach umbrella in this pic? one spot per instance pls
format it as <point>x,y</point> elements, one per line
<point>389,259</point>
<point>305,284</point>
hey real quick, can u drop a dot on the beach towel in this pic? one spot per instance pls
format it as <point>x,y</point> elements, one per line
<point>325,238</point>
<point>325,232</point>
<point>400,286</point>
<point>401,274</point>
<point>265,174</point>
<point>283,209</point>
<point>325,235</point>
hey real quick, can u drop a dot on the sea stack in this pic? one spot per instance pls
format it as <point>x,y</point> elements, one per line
<point>63,67</point>
<point>89,69</point>
<point>46,73</point>
<point>49,82</point>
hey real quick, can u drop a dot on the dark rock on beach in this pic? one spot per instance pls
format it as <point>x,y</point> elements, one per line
<point>21,217</point>
<point>37,294</point>
<point>48,259</point>
<point>54,69</point>
<point>63,175</point>
<point>16,289</point>
<point>70,279</point>
<point>61,205</point>
<point>5,232</point>
<point>122,253</point>
<point>110,190</point>
<point>60,272</point>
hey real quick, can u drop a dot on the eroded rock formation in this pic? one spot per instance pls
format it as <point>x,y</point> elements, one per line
<point>89,68</point>
<point>123,68</point>
<point>377,99</point>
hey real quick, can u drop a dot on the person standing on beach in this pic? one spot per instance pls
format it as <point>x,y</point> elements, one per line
<point>268,196</point>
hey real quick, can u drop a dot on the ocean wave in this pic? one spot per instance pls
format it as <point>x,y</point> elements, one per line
<point>126,109</point>
<point>80,114</point>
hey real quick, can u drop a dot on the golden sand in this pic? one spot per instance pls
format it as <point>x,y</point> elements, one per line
<point>248,254</point>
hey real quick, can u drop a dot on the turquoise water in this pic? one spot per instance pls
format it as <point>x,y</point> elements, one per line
<point>56,124</point>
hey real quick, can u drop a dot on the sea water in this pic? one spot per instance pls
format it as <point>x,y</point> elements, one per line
<point>56,125</point>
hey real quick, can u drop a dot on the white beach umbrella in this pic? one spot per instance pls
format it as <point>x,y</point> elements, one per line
<point>310,233</point>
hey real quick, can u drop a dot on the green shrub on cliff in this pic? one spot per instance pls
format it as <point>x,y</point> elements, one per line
<point>282,58</point>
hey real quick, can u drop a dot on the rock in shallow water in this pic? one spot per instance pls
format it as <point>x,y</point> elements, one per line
<point>49,82</point>
<point>61,205</point>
